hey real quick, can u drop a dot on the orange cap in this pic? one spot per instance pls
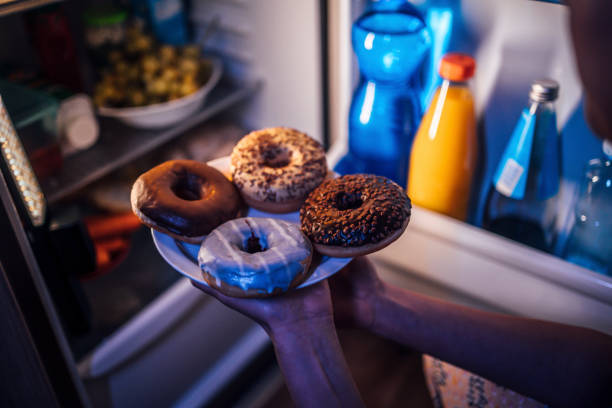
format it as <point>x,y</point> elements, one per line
<point>457,67</point>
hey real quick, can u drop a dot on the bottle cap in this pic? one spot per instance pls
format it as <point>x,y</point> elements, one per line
<point>457,67</point>
<point>607,148</point>
<point>544,90</point>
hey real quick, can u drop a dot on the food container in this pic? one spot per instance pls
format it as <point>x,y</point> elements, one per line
<point>104,30</point>
<point>33,114</point>
<point>164,114</point>
<point>77,124</point>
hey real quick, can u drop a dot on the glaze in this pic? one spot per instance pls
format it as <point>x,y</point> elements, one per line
<point>282,264</point>
<point>184,197</point>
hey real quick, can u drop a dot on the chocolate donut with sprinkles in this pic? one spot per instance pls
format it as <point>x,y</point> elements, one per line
<point>355,215</point>
<point>275,168</point>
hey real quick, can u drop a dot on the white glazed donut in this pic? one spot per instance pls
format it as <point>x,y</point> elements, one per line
<point>255,257</point>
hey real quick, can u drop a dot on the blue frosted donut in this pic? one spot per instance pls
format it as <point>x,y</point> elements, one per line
<point>255,257</point>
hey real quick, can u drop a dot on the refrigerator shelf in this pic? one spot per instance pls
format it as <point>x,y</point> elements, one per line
<point>119,144</point>
<point>116,297</point>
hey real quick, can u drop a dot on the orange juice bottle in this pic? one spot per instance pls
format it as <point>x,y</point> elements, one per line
<point>444,151</point>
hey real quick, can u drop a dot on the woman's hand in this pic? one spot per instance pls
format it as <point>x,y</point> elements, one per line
<point>355,292</point>
<point>279,312</point>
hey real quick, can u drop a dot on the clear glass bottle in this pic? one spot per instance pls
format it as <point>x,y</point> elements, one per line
<point>522,202</point>
<point>590,241</point>
<point>390,41</point>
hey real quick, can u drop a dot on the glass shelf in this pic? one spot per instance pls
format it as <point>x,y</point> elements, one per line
<point>125,291</point>
<point>119,144</point>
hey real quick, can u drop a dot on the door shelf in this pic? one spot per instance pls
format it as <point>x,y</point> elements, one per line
<point>499,272</point>
<point>119,144</point>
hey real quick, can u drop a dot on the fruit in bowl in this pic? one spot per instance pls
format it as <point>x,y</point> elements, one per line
<point>150,85</point>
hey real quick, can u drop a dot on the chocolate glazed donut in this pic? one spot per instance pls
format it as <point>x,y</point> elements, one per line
<point>185,199</point>
<point>355,215</point>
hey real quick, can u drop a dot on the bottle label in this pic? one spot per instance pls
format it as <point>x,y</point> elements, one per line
<point>511,176</point>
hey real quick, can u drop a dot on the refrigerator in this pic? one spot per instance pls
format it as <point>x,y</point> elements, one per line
<point>286,63</point>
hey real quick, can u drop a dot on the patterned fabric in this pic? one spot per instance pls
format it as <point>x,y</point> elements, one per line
<point>452,387</point>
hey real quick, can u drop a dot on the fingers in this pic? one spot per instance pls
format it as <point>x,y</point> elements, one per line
<point>310,294</point>
<point>212,292</point>
<point>363,263</point>
<point>313,290</point>
<point>245,306</point>
<point>361,266</point>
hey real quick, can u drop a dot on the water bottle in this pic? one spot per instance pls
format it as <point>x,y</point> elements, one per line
<point>590,241</point>
<point>522,202</point>
<point>390,41</point>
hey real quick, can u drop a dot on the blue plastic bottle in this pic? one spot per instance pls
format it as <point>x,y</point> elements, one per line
<point>390,41</point>
<point>590,242</point>
<point>166,18</point>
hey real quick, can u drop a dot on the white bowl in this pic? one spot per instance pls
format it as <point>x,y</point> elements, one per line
<point>167,113</point>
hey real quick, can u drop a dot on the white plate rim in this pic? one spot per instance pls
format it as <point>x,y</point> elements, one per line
<point>169,251</point>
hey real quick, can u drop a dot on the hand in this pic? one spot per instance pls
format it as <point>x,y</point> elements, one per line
<point>301,326</point>
<point>275,313</point>
<point>355,290</point>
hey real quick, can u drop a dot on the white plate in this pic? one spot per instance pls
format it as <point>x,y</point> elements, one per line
<point>167,113</point>
<point>185,261</point>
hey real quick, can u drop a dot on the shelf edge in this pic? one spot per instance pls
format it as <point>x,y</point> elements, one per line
<point>55,195</point>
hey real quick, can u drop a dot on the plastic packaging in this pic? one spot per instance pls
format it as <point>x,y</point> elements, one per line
<point>104,31</point>
<point>390,41</point>
<point>522,202</point>
<point>50,34</point>
<point>445,149</point>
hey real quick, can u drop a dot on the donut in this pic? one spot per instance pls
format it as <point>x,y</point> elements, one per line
<point>276,168</point>
<point>255,257</point>
<point>355,215</point>
<point>185,199</point>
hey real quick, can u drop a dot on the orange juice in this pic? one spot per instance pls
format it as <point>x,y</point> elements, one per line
<point>445,148</point>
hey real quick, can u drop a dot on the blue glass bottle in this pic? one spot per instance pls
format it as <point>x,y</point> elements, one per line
<point>590,241</point>
<point>522,202</point>
<point>390,41</point>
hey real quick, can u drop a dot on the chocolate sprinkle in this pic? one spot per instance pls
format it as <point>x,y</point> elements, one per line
<point>354,210</point>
